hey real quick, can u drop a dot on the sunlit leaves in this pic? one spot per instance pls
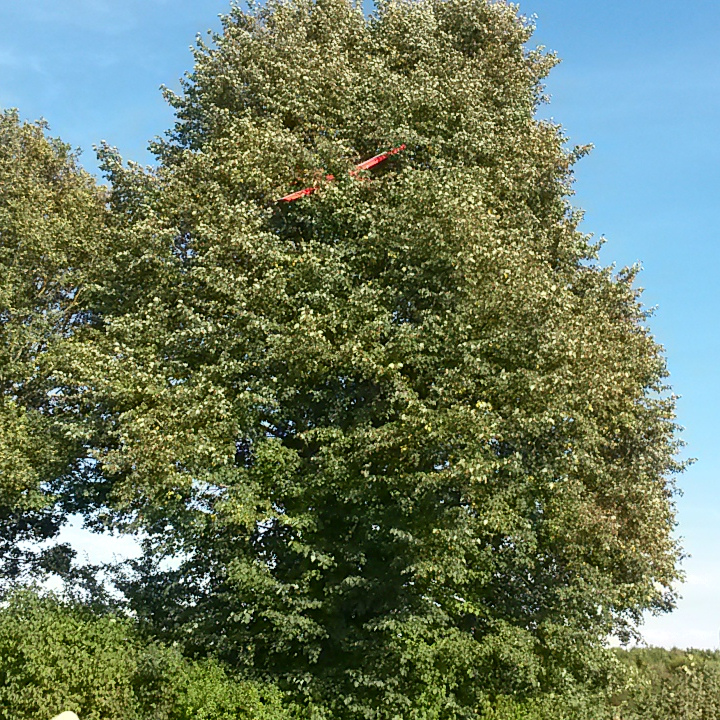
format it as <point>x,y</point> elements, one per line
<point>409,443</point>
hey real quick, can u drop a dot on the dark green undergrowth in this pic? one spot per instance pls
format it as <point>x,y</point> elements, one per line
<point>59,655</point>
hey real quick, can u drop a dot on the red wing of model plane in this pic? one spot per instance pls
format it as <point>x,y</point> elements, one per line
<point>366,165</point>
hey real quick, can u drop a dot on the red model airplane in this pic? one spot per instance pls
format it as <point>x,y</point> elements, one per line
<point>358,168</point>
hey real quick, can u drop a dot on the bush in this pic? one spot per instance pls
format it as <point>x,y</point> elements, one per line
<point>57,656</point>
<point>549,707</point>
<point>671,684</point>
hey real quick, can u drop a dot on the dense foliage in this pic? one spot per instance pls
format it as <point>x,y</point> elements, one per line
<point>650,684</point>
<point>57,656</point>
<point>670,684</point>
<point>407,443</point>
<point>50,219</point>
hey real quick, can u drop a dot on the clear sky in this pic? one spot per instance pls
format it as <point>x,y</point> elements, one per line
<point>640,80</point>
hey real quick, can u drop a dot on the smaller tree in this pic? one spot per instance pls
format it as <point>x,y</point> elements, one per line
<point>51,214</point>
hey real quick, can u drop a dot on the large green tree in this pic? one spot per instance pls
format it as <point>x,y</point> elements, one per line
<point>408,441</point>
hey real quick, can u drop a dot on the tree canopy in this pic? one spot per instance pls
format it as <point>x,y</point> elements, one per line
<point>50,221</point>
<point>408,442</point>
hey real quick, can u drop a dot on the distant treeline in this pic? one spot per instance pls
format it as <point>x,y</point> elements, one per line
<point>57,655</point>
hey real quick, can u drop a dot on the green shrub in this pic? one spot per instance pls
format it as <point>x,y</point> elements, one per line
<point>58,656</point>
<point>670,685</point>
<point>549,707</point>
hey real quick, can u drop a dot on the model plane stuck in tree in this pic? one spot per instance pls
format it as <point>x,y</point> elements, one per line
<point>366,165</point>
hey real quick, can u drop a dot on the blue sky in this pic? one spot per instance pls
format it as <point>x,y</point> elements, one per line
<point>640,80</point>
